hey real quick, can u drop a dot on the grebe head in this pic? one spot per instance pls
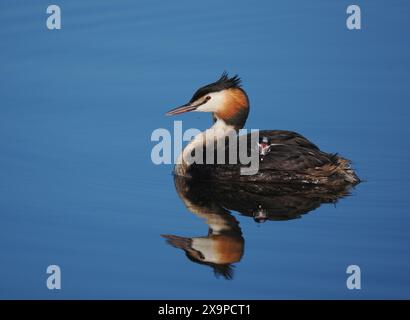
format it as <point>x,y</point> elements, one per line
<point>224,98</point>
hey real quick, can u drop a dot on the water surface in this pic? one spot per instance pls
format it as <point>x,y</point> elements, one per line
<point>78,106</point>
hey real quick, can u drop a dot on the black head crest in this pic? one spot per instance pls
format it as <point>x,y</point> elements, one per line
<point>224,82</point>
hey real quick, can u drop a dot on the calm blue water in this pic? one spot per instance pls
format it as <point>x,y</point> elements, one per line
<point>78,106</point>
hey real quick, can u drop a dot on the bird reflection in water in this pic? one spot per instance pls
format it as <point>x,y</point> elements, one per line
<point>214,201</point>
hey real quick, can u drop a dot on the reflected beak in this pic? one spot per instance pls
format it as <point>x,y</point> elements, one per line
<point>182,109</point>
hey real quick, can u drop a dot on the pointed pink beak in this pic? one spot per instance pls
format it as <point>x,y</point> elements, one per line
<point>182,109</point>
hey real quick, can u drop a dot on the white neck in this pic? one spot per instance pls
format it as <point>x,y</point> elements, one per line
<point>219,130</point>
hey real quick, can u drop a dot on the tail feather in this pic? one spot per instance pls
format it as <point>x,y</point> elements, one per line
<point>345,170</point>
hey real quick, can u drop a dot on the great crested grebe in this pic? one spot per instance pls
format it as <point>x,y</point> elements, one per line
<point>284,156</point>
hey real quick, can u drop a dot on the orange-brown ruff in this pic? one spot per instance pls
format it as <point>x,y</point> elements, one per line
<point>236,103</point>
<point>288,157</point>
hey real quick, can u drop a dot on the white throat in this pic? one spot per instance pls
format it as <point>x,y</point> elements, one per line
<point>219,130</point>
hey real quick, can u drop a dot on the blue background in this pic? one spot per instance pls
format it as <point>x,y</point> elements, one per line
<point>78,106</point>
